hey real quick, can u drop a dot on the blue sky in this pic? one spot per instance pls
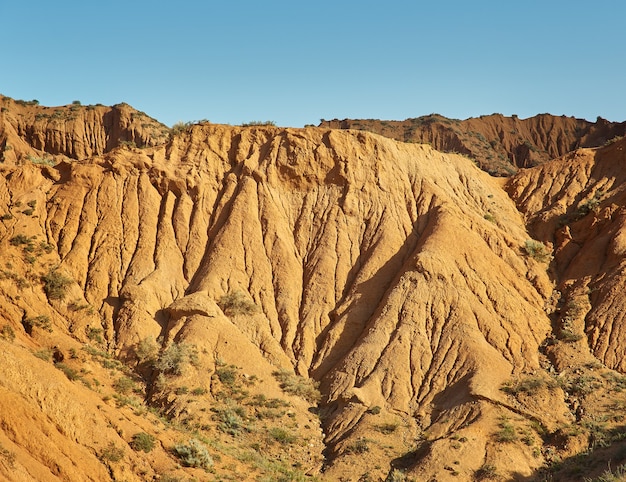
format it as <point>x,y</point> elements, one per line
<point>297,62</point>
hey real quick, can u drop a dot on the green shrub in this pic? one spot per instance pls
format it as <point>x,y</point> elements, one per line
<point>569,336</point>
<point>237,303</point>
<point>20,239</point>
<point>45,354</point>
<point>112,453</point>
<point>396,475</point>
<point>359,447</point>
<point>193,454</point>
<point>41,321</point>
<point>506,433</point>
<point>258,123</point>
<point>45,161</point>
<point>231,420</point>
<point>147,350</point>
<point>55,284</point>
<point>282,436</point>
<point>7,333</point>
<point>142,442</point>
<point>179,128</point>
<point>486,471</point>
<point>173,358</point>
<point>8,456</point>
<point>227,375</point>
<point>387,428</point>
<point>537,250</point>
<point>297,385</point>
<point>123,385</point>
<point>528,385</point>
<point>95,334</point>
<point>69,372</point>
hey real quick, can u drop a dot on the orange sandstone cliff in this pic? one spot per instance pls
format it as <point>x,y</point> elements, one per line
<point>302,304</point>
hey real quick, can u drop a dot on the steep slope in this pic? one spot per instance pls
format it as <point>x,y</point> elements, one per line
<point>347,243</point>
<point>213,281</point>
<point>500,145</point>
<point>577,203</point>
<point>32,132</point>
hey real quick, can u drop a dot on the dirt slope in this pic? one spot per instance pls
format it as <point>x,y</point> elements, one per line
<point>499,144</point>
<point>200,289</point>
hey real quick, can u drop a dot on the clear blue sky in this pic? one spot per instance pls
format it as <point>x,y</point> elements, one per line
<point>295,62</point>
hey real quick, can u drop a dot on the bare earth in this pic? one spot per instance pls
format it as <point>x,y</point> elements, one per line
<point>302,304</point>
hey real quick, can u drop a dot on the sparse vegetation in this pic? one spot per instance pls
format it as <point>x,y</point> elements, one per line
<point>20,239</point>
<point>147,351</point>
<point>56,284</point>
<point>95,334</point>
<point>610,475</point>
<point>179,128</point>
<point>297,385</point>
<point>613,140</point>
<point>360,446</point>
<point>142,442</point>
<point>237,303</point>
<point>258,123</point>
<point>486,472</point>
<point>44,354</point>
<point>537,250</point>
<point>69,372</point>
<point>231,419</point>
<point>282,436</point>
<point>112,453</point>
<point>40,321</point>
<point>174,357</point>
<point>193,454</point>
<point>124,385</point>
<point>45,161</point>
<point>7,333</point>
<point>387,428</point>
<point>568,336</point>
<point>8,456</point>
<point>396,475</point>
<point>227,375</point>
<point>506,433</point>
<point>529,385</point>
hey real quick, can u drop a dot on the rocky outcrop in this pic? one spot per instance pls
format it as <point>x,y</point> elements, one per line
<point>500,145</point>
<point>251,267</point>
<point>30,132</point>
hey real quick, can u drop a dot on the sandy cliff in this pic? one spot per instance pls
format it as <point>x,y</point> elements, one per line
<point>232,272</point>
<point>499,144</point>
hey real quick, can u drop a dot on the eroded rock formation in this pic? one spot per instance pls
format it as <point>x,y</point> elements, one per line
<point>227,271</point>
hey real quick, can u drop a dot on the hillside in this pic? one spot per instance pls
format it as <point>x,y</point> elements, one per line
<point>29,131</point>
<point>263,303</point>
<point>500,145</point>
